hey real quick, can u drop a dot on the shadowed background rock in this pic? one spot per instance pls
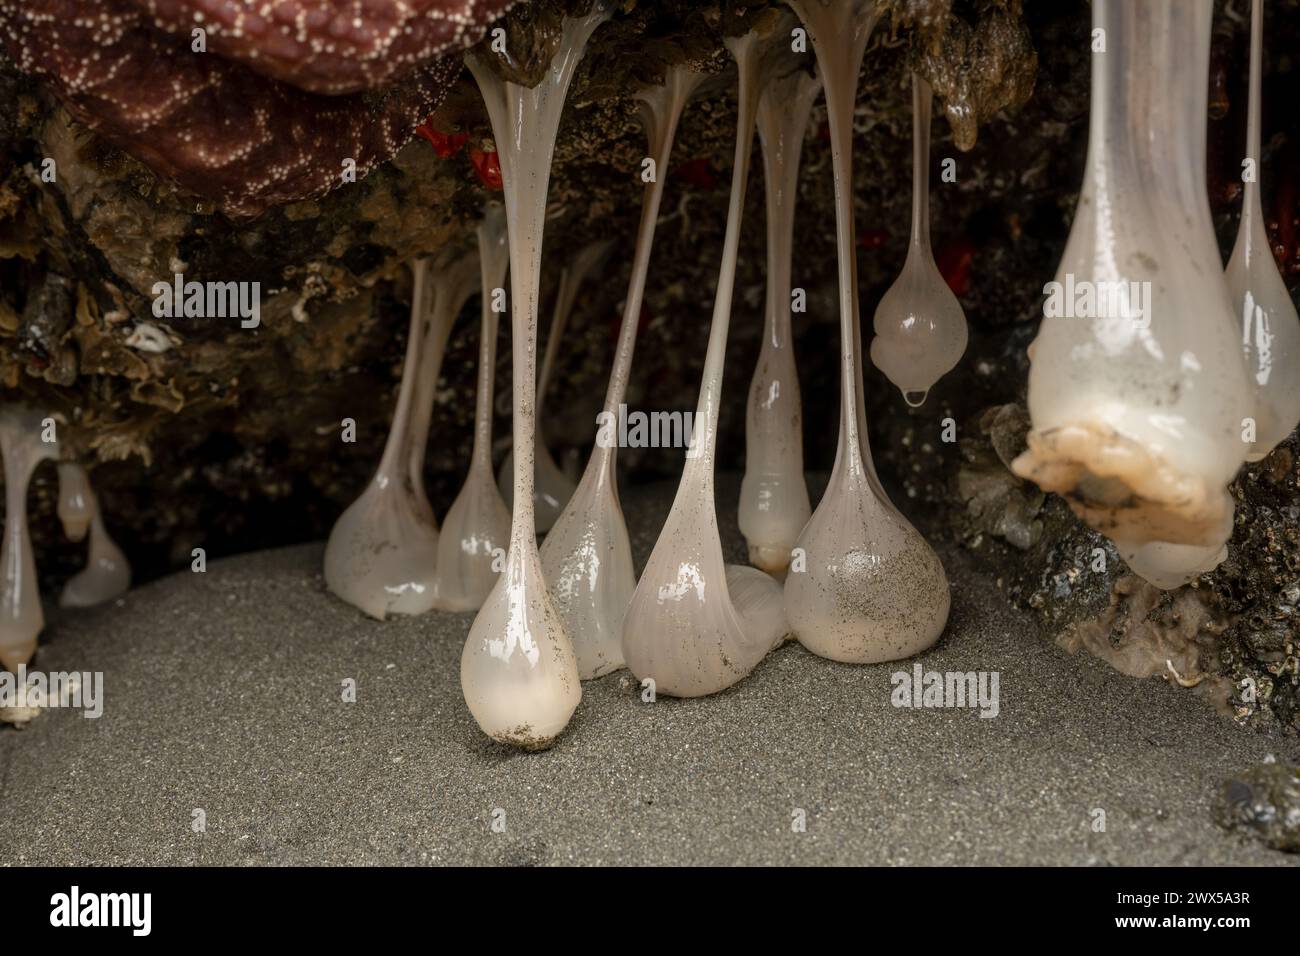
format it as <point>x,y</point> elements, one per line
<point>227,166</point>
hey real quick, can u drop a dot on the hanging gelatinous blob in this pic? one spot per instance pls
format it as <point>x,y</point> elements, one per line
<point>684,629</point>
<point>774,503</point>
<point>552,488</point>
<point>587,558</point>
<point>863,584</point>
<point>477,528</point>
<point>383,550</point>
<point>1270,328</point>
<point>1137,390</point>
<point>23,447</point>
<point>518,672</point>
<point>920,327</point>
<point>77,504</point>
<point>107,573</point>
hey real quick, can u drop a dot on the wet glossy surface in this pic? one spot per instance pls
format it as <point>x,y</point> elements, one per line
<point>774,504</point>
<point>920,326</point>
<point>107,573</point>
<point>682,630</point>
<point>864,586</point>
<point>1267,319</point>
<point>586,557</point>
<point>478,521</point>
<point>552,488</point>
<point>382,552</point>
<point>21,617</point>
<point>517,671</point>
<point>1138,398</point>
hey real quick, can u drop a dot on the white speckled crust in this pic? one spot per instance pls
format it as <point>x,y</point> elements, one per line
<point>329,46</point>
<point>382,552</point>
<point>871,588</point>
<point>478,522</point>
<point>1138,424</point>
<point>1270,327</point>
<point>774,503</point>
<point>21,617</point>
<point>587,558</point>
<point>107,574</point>
<point>517,670</point>
<point>682,628</point>
<point>218,128</point>
<point>920,326</point>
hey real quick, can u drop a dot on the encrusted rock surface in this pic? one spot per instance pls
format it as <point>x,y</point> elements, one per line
<point>1264,803</point>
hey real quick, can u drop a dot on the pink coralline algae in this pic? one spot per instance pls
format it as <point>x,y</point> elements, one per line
<point>229,124</point>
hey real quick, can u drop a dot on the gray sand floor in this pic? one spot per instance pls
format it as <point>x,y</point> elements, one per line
<point>224,693</point>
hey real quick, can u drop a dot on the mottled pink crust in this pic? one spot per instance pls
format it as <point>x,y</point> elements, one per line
<point>217,128</point>
<point>330,46</point>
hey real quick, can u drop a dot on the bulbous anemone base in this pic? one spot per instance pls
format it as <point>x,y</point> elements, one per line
<point>517,669</point>
<point>1123,489</point>
<point>873,590</point>
<point>860,627</point>
<point>16,653</point>
<point>772,560</point>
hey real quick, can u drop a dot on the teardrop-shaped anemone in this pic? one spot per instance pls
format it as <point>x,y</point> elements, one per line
<point>774,504</point>
<point>920,326</point>
<point>517,670</point>
<point>867,586</point>
<point>1137,389</point>
<point>23,447</point>
<point>684,629</point>
<point>382,552</point>
<point>107,573</point>
<point>587,557</point>
<point>1270,327</point>
<point>77,505</point>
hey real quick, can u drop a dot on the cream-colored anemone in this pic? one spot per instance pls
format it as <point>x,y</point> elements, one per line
<point>382,553</point>
<point>1137,390</point>
<point>774,503</point>
<point>920,326</point>
<point>587,557</point>
<point>863,586</point>
<point>477,527</point>
<point>684,628</point>
<point>552,488</point>
<point>1270,328</point>
<point>23,446</point>
<point>107,573</point>
<point>517,671</point>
